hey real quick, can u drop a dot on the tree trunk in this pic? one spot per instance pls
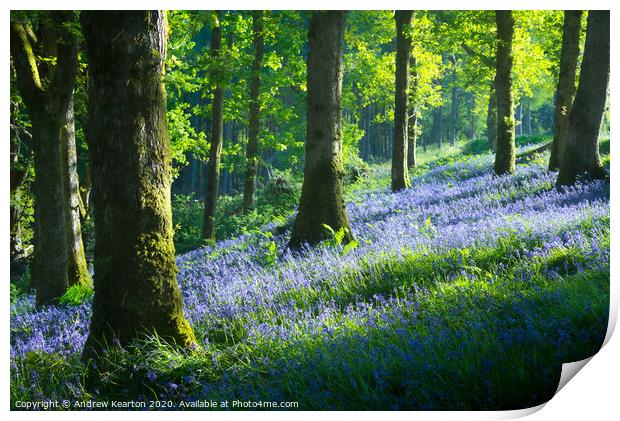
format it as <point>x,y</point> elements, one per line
<point>136,291</point>
<point>492,118</point>
<point>322,200</point>
<point>217,127</point>
<point>47,108</point>
<point>584,122</point>
<point>438,126</point>
<point>454,110</point>
<point>505,154</point>
<point>412,159</point>
<point>251,155</point>
<point>77,269</point>
<point>528,117</point>
<point>400,174</point>
<point>565,92</point>
<point>519,119</point>
<point>472,116</point>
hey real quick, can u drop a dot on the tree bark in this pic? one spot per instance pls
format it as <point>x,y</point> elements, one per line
<point>322,200</point>
<point>136,291</point>
<point>505,154</point>
<point>565,92</point>
<point>251,155</point>
<point>581,155</point>
<point>47,108</point>
<point>400,173</point>
<point>215,152</point>
<point>454,110</point>
<point>77,269</point>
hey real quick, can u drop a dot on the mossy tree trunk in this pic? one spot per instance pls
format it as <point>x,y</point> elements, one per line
<point>77,269</point>
<point>251,154</point>
<point>322,200</point>
<point>505,153</point>
<point>400,174</point>
<point>565,92</point>
<point>136,291</point>
<point>212,179</point>
<point>581,156</point>
<point>47,105</point>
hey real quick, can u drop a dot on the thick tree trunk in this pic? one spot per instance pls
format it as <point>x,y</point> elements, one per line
<point>400,174</point>
<point>251,155</point>
<point>492,118</point>
<point>51,279</point>
<point>505,154</point>
<point>136,291</point>
<point>77,269</point>
<point>581,155</point>
<point>215,152</point>
<point>565,92</point>
<point>47,108</point>
<point>454,110</point>
<point>322,200</point>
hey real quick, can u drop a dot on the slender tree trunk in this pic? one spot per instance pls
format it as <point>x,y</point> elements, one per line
<point>505,154</point>
<point>519,119</point>
<point>400,174</point>
<point>251,154</point>
<point>322,200</point>
<point>77,269</point>
<point>565,92</point>
<point>438,126</point>
<point>412,158</point>
<point>136,291</point>
<point>47,108</point>
<point>472,116</point>
<point>581,155</point>
<point>215,151</point>
<point>492,118</point>
<point>528,117</point>
<point>454,110</point>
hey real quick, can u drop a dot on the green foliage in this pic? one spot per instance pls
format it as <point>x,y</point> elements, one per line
<point>76,295</point>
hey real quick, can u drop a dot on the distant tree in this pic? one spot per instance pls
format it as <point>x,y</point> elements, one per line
<point>400,175</point>
<point>46,89</point>
<point>581,155</point>
<point>322,200</point>
<point>505,153</point>
<point>212,180</point>
<point>136,291</point>
<point>565,92</point>
<point>251,165</point>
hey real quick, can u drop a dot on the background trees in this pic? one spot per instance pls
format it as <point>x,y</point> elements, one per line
<point>46,89</point>
<point>135,287</point>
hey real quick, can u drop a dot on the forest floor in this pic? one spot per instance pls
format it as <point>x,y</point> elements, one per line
<point>467,291</point>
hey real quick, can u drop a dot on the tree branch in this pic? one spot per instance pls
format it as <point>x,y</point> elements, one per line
<point>27,74</point>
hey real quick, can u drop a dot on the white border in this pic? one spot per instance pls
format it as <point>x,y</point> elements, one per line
<point>593,392</point>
